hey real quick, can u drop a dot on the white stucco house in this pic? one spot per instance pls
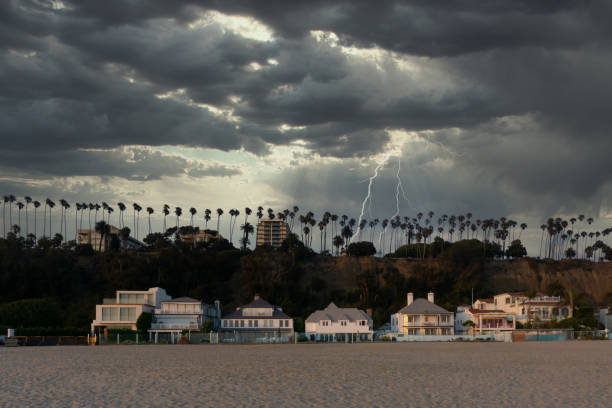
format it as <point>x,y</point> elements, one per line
<point>540,307</point>
<point>122,311</point>
<point>344,324</point>
<point>422,317</point>
<point>256,322</point>
<point>183,313</point>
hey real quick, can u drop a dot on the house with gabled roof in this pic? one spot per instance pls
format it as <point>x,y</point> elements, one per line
<point>257,322</point>
<point>343,324</point>
<point>422,317</point>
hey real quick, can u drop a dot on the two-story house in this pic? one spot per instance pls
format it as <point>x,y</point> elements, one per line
<point>344,324</point>
<point>540,307</point>
<point>256,322</point>
<point>183,313</point>
<point>422,317</point>
<point>122,311</point>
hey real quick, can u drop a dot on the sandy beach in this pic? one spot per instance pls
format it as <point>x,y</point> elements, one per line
<point>380,374</point>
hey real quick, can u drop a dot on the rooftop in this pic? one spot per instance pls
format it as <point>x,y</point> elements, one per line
<point>423,306</point>
<point>335,313</point>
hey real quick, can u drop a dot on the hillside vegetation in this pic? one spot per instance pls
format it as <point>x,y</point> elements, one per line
<point>74,280</point>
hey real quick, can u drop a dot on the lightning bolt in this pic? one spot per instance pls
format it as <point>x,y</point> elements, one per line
<point>368,197</point>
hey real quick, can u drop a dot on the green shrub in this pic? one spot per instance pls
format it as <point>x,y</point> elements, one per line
<point>31,313</point>
<point>143,323</point>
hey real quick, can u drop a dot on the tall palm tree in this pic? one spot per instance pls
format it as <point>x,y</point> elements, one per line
<point>84,207</point>
<point>36,205</point>
<point>193,212</point>
<point>20,206</point>
<point>165,211</point>
<point>178,211</point>
<point>138,210</point>
<point>219,214</point>
<point>109,210</point>
<point>338,242</point>
<point>104,207</point>
<point>150,211</point>
<point>122,208</point>
<point>50,204</point>
<point>76,221</point>
<point>135,207</point>
<point>207,213</point>
<point>28,201</point>
<point>103,229</point>
<point>247,212</point>
<point>4,201</point>
<point>97,208</point>
<point>248,229</point>
<point>12,199</point>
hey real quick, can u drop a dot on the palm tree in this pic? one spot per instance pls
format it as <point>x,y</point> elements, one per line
<point>48,203</point>
<point>36,205</point>
<point>248,229</point>
<point>110,210</point>
<point>103,229</point>
<point>76,221</point>
<point>219,214</point>
<point>121,207</point>
<point>338,242</point>
<point>124,233</point>
<point>84,206</point>
<point>12,199</point>
<point>20,207</point>
<point>247,212</point>
<point>135,206</point>
<point>150,211</point>
<point>207,213</point>
<point>178,211</point>
<point>28,201</point>
<point>104,207</point>
<point>193,212</point>
<point>5,200</point>
<point>165,211</point>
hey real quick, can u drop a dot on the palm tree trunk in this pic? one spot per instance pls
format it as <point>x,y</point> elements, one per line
<point>149,224</point>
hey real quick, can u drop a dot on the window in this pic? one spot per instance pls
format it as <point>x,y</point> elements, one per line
<point>286,323</point>
<point>342,322</point>
<point>508,300</point>
<point>280,322</point>
<point>250,323</point>
<point>444,319</point>
<point>362,322</point>
<point>132,298</point>
<point>110,314</point>
<point>256,323</point>
<point>445,332</point>
<point>127,314</point>
<point>495,302</point>
<point>242,323</point>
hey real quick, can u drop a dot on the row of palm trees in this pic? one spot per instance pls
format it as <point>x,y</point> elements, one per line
<point>565,238</point>
<point>335,231</point>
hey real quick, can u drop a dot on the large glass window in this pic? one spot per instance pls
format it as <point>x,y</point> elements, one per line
<point>110,314</point>
<point>127,314</point>
<point>132,298</point>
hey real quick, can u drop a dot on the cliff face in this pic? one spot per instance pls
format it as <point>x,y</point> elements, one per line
<point>592,278</point>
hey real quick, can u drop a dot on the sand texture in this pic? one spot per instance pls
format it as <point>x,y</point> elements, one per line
<point>568,374</point>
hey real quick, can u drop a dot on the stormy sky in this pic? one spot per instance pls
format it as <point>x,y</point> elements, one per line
<point>498,108</point>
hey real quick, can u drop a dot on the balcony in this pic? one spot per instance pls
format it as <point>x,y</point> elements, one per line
<point>164,326</point>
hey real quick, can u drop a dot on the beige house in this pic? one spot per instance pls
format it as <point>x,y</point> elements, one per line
<point>90,236</point>
<point>122,311</point>
<point>422,317</point>
<point>540,307</point>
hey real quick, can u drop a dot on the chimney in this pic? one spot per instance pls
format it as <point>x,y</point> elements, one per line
<point>430,297</point>
<point>369,312</point>
<point>256,297</point>
<point>409,298</point>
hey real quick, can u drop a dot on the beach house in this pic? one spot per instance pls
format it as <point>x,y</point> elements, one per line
<point>122,311</point>
<point>538,307</point>
<point>256,322</point>
<point>422,317</point>
<point>183,313</point>
<point>344,324</point>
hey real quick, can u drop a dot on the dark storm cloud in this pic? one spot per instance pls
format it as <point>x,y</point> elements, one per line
<point>89,75</point>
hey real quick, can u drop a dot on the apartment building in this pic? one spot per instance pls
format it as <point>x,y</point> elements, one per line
<point>272,232</point>
<point>90,236</point>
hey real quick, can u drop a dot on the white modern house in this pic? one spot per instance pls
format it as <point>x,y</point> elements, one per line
<point>256,322</point>
<point>122,311</point>
<point>183,313</point>
<point>422,317</point>
<point>343,324</point>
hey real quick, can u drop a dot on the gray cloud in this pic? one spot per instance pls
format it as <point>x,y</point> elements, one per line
<point>518,89</point>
